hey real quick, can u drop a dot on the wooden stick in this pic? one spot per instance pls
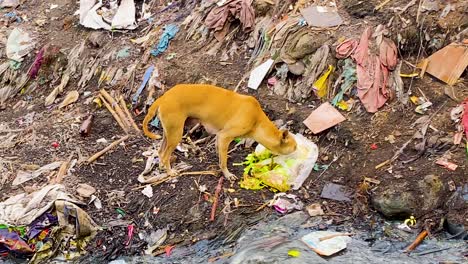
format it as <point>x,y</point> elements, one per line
<point>114,114</point>
<point>202,140</point>
<point>195,127</point>
<point>116,106</point>
<point>62,171</point>
<point>417,241</point>
<point>100,153</point>
<point>216,197</point>
<point>214,173</point>
<point>129,115</point>
<point>382,4</point>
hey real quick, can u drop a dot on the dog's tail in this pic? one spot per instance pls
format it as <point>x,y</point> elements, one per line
<point>149,116</point>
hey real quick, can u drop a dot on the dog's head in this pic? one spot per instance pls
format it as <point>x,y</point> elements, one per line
<point>287,144</point>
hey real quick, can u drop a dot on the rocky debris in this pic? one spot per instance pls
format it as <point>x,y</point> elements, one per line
<point>402,200</point>
<point>85,190</point>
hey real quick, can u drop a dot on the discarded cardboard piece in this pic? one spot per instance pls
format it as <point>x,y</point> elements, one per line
<point>322,118</point>
<point>258,74</point>
<point>447,64</point>
<point>321,16</point>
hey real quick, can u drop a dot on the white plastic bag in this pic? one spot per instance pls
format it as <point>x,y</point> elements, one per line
<point>298,165</point>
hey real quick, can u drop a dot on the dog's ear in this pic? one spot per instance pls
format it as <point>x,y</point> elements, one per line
<point>284,135</point>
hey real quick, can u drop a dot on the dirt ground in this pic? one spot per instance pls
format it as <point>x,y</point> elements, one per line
<point>178,204</point>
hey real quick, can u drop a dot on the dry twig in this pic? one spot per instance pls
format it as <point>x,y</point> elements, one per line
<point>100,153</point>
<point>216,198</point>
<point>417,241</point>
<point>114,114</point>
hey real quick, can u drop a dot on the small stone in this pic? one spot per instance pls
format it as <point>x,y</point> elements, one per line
<point>297,68</point>
<point>314,209</point>
<point>432,189</point>
<point>85,190</point>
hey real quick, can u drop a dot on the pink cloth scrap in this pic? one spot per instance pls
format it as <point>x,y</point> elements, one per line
<point>372,69</point>
<point>220,17</point>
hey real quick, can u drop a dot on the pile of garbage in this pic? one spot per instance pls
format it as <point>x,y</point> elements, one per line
<point>45,224</point>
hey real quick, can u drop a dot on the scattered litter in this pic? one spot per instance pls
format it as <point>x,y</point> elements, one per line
<point>449,63</point>
<point>326,243</point>
<point>96,201</point>
<point>148,191</point>
<point>286,203</point>
<point>85,190</point>
<point>123,53</point>
<point>220,17</point>
<point>447,164</point>
<point>314,209</point>
<point>322,118</point>
<point>294,253</point>
<point>85,128</point>
<point>71,97</point>
<point>23,176</point>
<point>146,78</point>
<point>34,70</point>
<point>130,232</point>
<point>155,240</point>
<point>410,221</point>
<point>372,69</point>
<point>280,172</point>
<point>9,3</point>
<point>18,45</point>
<point>169,33</point>
<point>422,108</point>
<point>321,85</point>
<point>321,16</point>
<point>258,74</point>
<point>336,192</point>
<point>92,15</point>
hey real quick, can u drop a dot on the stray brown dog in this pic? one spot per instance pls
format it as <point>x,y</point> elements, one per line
<point>222,112</point>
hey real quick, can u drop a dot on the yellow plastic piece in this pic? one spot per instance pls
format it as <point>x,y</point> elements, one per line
<point>343,105</point>
<point>409,75</point>
<point>294,253</point>
<point>321,84</point>
<point>98,102</point>
<point>410,221</point>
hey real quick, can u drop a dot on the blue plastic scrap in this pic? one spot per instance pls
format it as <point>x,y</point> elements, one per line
<point>169,33</point>
<point>155,122</point>
<point>146,78</point>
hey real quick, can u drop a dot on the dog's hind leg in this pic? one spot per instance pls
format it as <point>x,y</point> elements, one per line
<point>173,131</point>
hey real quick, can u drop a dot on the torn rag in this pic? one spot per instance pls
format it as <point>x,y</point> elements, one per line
<point>219,17</point>
<point>372,69</point>
<point>169,33</point>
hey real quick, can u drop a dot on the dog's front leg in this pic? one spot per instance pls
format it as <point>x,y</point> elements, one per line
<point>223,142</point>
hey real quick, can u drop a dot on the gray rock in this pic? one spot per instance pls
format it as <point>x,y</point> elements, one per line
<point>432,189</point>
<point>403,201</point>
<point>394,201</point>
<point>297,68</point>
